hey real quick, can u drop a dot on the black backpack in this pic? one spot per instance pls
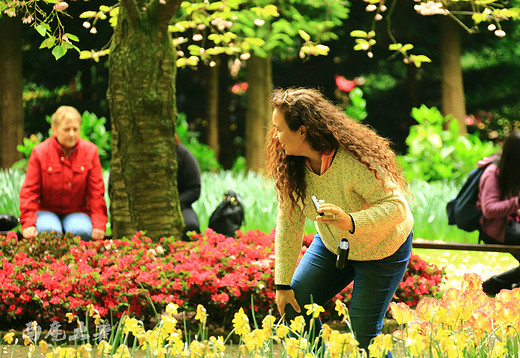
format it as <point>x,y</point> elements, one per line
<point>228,216</point>
<point>7,222</point>
<point>462,210</point>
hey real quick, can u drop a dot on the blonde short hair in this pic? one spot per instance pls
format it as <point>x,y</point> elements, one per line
<point>65,112</point>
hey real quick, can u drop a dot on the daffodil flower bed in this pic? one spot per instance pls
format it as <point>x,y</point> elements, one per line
<point>465,322</point>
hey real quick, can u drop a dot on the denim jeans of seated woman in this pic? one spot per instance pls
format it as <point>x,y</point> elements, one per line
<point>79,224</point>
<point>317,280</point>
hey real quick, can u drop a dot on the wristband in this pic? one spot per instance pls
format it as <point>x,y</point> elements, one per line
<point>283,287</point>
<point>353,225</point>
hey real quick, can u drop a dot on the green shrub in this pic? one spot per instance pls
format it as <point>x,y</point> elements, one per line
<point>357,107</point>
<point>435,153</point>
<point>92,129</point>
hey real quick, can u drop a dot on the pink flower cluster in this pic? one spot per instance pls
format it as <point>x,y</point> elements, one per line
<point>41,282</point>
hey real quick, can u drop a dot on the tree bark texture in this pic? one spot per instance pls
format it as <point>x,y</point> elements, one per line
<point>453,101</point>
<point>11,91</point>
<point>141,95</point>
<point>258,114</point>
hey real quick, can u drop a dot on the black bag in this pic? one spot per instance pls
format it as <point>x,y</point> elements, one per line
<point>462,210</point>
<point>229,215</point>
<point>512,236</point>
<point>7,222</point>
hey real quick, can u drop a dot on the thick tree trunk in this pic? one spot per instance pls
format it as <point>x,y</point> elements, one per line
<point>141,96</point>
<point>258,115</point>
<point>212,109</point>
<point>453,101</point>
<point>11,91</point>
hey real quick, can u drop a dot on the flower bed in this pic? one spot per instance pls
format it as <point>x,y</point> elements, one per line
<point>45,279</point>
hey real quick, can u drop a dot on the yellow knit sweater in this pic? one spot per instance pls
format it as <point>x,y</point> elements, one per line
<point>382,217</point>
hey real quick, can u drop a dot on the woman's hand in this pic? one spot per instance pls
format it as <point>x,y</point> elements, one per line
<point>30,232</point>
<point>335,215</point>
<point>285,297</point>
<point>98,234</point>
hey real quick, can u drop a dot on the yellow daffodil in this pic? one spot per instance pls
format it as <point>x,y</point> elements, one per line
<point>297,324</point>
<point>131,325</point>
<point>44,346</point>
<point>314,310</point>
<point>26,339</point>
<point>282,331</point>
<point>201,314</point>
<point>91,310</point>
<point>341,308</point>
<point>291,347</point>
<point>241,322</point>
<point>268,321</point>
<point>97,319</point>
<point>70,316</point>
<point>380,345</point>
<point>104,348</point>
<point>172,308</point>
<point>8,337</point>
<point>122,352</point>
<point>85,349</point>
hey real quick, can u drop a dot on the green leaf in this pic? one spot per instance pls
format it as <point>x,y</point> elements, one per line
<point>305,36</point>
<point>104,8</point>
<point>407,47</point>
<point>72,37</point>
<point>58,51</point>
<point>358,33</point>
<point>48,42</point>
<point>88,14</point>
<point>395,47</point>
<point>42,29</point>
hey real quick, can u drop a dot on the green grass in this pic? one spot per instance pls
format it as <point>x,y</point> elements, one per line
<point>428,204</point>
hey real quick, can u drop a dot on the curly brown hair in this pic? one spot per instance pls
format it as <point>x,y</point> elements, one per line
<point>328,128</point>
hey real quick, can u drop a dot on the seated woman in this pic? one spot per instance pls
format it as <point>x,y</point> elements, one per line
<point>188,184</point>
<point>63,189</point>
<point>499,190</point>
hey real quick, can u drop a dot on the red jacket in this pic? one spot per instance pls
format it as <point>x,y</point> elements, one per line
<point>64,185</point>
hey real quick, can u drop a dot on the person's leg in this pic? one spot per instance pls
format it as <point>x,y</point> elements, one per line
<point>317,280</point>
<point>48,221</point>
<point>375,283</point>
<point>78,224</point>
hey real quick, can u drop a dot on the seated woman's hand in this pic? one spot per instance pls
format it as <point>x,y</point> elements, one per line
<point>98,234</point>
<point>30,232</point>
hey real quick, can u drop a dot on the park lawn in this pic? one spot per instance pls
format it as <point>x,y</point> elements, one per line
<point>458,263</point>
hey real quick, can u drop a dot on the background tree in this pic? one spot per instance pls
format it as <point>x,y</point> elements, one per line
<point>11,84</point>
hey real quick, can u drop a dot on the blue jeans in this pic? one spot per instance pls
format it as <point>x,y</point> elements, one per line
<point>79,224</point>
<point>317,280</point>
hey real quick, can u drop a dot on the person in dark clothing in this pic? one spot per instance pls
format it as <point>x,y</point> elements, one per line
<point>499,201</point>
<point>188,184</point>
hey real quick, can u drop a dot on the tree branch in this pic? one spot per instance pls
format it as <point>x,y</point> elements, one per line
<point>166,11</point>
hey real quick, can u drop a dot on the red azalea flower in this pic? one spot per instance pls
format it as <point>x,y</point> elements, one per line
<point>344,85</point>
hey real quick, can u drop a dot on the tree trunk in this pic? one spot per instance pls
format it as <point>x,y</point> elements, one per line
<point>226,146</point>
<point>212,109</point>
<point>141,95</point>
<point>453,101</point>
<point>258,114</point>
<point>11,91</point>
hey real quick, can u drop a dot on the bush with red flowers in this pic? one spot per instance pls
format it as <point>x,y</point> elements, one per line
<point>45,278</point>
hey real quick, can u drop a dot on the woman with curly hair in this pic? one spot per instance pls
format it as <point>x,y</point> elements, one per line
<point>314,149</point>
